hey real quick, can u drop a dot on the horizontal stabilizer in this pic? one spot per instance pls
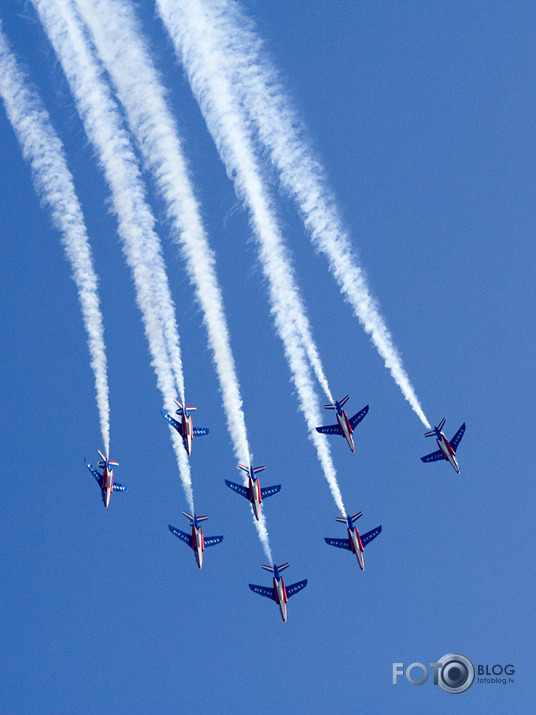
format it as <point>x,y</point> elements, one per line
<point>270,491</point>
<point>356,419</point>
<point>213,540</point>
<point>342,519</point>
<point>370,535</point>
<point>292,590</point>
<point>356,516</point>
<point>433,457</point>
<point>255,469</point>
<point>238,489</point>
<point>441,424</point>
<point>339,543</point>
<point>263,591</point>
<point>119,487</point>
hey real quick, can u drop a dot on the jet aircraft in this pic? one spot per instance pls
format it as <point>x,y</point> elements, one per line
<point>447,450</point>
<point>345,426</point>
<point>279,593</point>
<point>196,540</point>
<point>184,427</point>
<point>354,543</point>
<point>253,492</point>
<point>106,479</point>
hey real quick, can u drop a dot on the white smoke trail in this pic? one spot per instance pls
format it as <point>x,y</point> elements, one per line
<point>192,12</point>
<point>43,149</point>
<point>194,44</point>
<point>279,128</point>
<point>117,38</point>
<point>141,245</point>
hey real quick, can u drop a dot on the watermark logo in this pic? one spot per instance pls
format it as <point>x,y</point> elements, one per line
<point>454,673</point>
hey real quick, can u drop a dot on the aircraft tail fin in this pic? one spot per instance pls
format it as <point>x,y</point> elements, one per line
<point>279,568</point>
<point>255,469</point>
<point>103,461</point>
<point>182,408</point>
<point>439,427</point>
<point>341,403</point>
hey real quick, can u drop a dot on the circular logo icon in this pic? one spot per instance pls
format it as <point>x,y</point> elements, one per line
<point>457,673</point>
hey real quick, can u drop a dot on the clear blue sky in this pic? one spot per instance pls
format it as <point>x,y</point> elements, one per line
<point>424,115</point>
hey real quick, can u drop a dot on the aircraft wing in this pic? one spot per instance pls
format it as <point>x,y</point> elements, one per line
<point>356,419</point>
<point>213,540</point>
<point>291,590</point>
<point>339,543</point>
<point>270,491</point>
<point>172,422</point>
<point>329,429</point>
<point>455,441</point>
<point>370,535</point>
<point>94,472</point>
<point>187,538</point>
<point>238,489</point>
<point>263,591</point>
<point>200,431</point>
<point>433,457</point>
<point>119,487</point>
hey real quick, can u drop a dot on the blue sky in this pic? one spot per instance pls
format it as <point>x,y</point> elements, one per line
<point>423,116</point>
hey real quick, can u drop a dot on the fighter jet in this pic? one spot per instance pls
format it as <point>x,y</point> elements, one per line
<point>253,492</point>
<point>279,593</point>
<point>345,426</point>
<point>354,543</point>
<point>447,450</point>
<point>196,540</point>
<point>106,479</point>
<point>184,427</point>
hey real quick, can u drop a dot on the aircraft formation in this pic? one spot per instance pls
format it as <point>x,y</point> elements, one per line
<point>254,493</point>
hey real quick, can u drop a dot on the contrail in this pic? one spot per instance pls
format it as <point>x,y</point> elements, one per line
<point>193,13</point>
<point>202,59</point>
<point>117,37</point>
<point>53,182</point>
<point>141,244</point>
<point>279,129</point>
